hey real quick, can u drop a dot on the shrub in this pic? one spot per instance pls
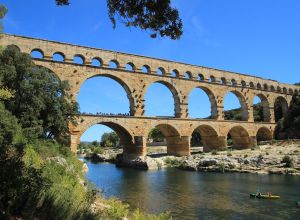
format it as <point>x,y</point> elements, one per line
<point>214,152</point>
<point>172,162</point>
<point>289,162</point>
<point>246,155</point>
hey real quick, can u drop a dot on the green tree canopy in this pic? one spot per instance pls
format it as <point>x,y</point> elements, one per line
<point>39,100</point>
<point>156,135</point>
<point>110,139</point>
<point>156,16</point>
<point>289,126</point>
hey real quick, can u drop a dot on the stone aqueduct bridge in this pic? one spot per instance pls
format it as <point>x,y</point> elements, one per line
<point>180,78</point>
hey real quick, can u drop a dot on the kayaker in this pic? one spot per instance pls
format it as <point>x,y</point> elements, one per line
<point>269,194</point>
<point>258,194</point>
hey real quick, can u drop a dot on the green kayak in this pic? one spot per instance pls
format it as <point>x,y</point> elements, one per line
<point>261,196</point>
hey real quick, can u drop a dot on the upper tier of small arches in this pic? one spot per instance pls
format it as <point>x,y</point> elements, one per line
<point>194,74</point>
<point>187,75</point>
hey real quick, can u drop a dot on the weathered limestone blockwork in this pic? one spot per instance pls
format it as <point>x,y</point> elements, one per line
<point>134,130</point>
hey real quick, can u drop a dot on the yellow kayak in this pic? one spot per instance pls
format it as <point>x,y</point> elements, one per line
<point>261,196</point>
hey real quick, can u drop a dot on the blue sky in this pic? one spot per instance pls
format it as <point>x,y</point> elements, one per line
<point>257,37</point>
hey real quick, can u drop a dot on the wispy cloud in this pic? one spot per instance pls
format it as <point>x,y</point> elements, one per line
<point>96,27</point>
<point>197,27</point>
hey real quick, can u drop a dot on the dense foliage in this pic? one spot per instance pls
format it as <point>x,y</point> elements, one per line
<point>155,135</point>
<point>236,114</point>
<point>41,179</point>
<point>40,99</point>
<point>157,16</point>
<point>289,126</point>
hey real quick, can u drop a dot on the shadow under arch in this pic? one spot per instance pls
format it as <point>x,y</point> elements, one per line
<point>240,137</point>
<point>264,134</point>
<point>243,103</point>
<point>212,100</point>
<point>174,92</point>
<point>265,107</point>
<point>120,82</point>
<point>176,144</point>
<point>210,138</point>
<point>280,108</point>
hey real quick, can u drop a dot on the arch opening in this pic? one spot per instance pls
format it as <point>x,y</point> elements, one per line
<point>113,64</point>
<point>166,135</point>
<point>95,96</point>
<point>233,82</point>
<point>258,86</point>
<point>130,67</point>
<point>58,56</point>
<point>272,88</point>
<point>96,61</point>
<point>235,107</point>
<point>263,134</point>
<point>212,79</point>
<point>146,69</point>
<point>223,81</point>
<point>37,54</point>
<point>104,135</point>
<point>161,99</point>
<point>160,71</point>
<point>206,136</point>
<point>187,75</point>
<point>78,59</point>
<point>202,104</point>
<point>280,108</point>
<point>200,77</point>
<point>239,138</point>
<point>261,109</point>
<point>175,73</point>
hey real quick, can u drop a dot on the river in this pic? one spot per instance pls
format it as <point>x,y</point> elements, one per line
<point>194,195</point>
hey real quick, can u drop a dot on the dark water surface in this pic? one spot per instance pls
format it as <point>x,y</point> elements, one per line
<point>192,195</point>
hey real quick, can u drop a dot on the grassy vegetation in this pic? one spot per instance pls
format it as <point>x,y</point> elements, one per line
<point>172,162</point>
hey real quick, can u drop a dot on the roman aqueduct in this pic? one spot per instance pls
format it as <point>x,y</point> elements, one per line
<point>180,78</point>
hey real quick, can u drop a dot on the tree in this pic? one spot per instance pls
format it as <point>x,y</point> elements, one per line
<point>110,139</point>
<point>289,126</point>
<point>41,102</point>
<point>3,11</point>
<point>157,16</point>
<point>156,135</point>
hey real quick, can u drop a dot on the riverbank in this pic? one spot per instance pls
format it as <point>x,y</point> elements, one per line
<point>272,158</point>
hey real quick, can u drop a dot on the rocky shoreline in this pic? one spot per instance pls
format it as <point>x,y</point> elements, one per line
<point>267,159</point>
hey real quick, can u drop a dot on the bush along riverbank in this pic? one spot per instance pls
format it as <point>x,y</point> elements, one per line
<point>277,158</point>
<point>62,192</point>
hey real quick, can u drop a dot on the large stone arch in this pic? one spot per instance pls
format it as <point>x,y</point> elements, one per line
<point>176,144</point>
<point>264,134</point>
<point>211,97</point>
<point>240,137</point>
<point>174,92</point>
<point>132,145</point>
<point>120,82</point>
<point>210,138</point>
<point>243,102</point>
<point>265,105</point>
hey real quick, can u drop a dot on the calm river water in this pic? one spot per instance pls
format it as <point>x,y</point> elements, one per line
<point>192,195</point>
